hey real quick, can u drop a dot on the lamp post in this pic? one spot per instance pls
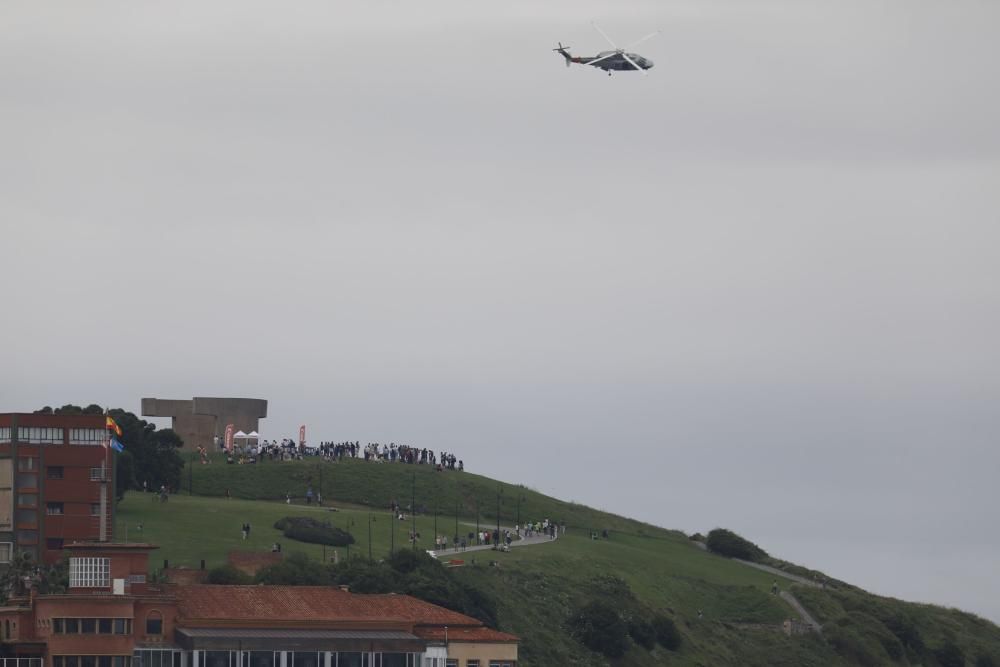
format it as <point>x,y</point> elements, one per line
<point>369,537</point>
<point>496,543</point>
<point>413,511</point>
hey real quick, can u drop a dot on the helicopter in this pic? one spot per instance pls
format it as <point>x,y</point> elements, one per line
<point>608,61</point>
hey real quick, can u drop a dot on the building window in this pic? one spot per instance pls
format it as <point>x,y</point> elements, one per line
<point>471,663</point>
<point>159,658</point>
<point>4,434</point>
<point>6,550</point>
<point>154,623</point>
<point>54,472</point>
<point>95,509</point>
<point>91,661</point>
<point>103,626</point>
<point>41,435</point>
<point>54,543</point>
<point>89,572</point>
<point>97,474</point>
<point>87,436</point>
<point>27,537</point>
<point>451,662</point>
<point>54,509</point>
<point>27,480</point>
<point>27,500</point>
<point>27,463</point>
<point>27,517</point>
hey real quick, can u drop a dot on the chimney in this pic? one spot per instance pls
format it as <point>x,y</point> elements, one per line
<point>346,589</point>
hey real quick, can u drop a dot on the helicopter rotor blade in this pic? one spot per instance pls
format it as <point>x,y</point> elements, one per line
<point>598,29</point>
<point>597,60</point>
<point>640,41</point>
<point>632,63</point>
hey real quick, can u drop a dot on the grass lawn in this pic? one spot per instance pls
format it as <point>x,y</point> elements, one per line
<point>360,483</point>
<point>191,528</point>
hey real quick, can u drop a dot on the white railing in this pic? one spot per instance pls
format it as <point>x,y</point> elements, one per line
<point>20,662</point>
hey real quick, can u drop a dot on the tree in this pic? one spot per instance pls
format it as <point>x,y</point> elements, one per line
<point>228,575</point>
<point>12,580</point>
<point>295,570</point>
<point>727,543</point>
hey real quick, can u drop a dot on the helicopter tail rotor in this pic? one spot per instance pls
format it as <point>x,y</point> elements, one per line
<point>564,52</point>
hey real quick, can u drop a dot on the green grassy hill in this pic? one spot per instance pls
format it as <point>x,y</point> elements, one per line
<point>537,588</point>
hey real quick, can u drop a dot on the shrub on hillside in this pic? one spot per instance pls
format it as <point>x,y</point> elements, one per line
<point>306,529</point>
<point>611,587</point>
<point>295,570</point>
<point>986,661</point>
<point>727,543</point>
<point>642,633</point>
<point>851,643</point>
<point>871,628</point>
<point>666,632</point>
<point>228,575</point>
<point>950,655</point>
<point>598,626</point>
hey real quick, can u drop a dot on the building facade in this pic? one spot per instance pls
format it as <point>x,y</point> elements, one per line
<point>56,483</point>
<point>112,616</point>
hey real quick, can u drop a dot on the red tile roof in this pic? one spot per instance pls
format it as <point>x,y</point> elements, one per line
<point>309,604</point>
<point>463,634</point>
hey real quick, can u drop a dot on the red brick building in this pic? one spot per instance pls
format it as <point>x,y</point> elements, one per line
<point>113,617</point>
<point>56,483</point>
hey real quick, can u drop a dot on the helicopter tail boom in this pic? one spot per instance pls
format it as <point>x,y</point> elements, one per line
<point>564,52</point>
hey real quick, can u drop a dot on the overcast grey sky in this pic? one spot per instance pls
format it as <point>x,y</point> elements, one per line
<point>758,288</point>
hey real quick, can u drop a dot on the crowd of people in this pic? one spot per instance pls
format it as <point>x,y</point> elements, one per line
<point>391,453</point>
<point>499,539</point>
<point>289,450</point>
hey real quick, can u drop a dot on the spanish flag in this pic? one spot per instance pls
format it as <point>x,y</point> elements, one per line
<point>112,426</point>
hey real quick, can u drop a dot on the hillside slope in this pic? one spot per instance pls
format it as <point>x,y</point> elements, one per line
<point>639,568</point>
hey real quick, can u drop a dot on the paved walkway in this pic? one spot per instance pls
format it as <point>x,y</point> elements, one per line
<point>523,542</point>
<point>780,573</point>
<point>785,595</point>
<point>797,606</point>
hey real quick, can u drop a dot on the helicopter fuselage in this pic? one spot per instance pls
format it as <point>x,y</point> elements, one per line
<point>613,60</point>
